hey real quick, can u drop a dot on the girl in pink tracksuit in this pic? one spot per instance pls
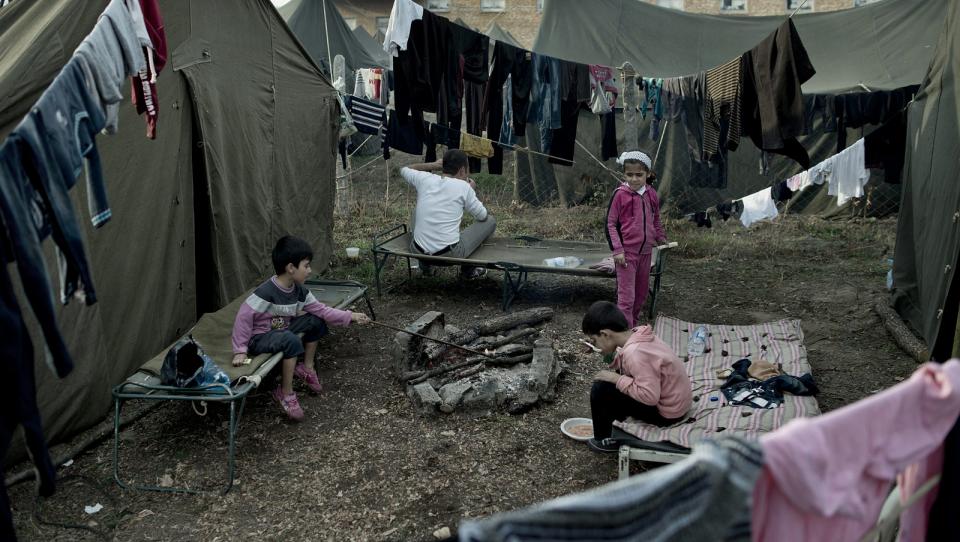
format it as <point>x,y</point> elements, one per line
<point>633,229</point>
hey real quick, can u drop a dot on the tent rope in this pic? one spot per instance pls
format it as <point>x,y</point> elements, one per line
<point>798,9</point>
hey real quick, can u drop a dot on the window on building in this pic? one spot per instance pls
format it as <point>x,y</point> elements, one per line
<point>672,4</point>
<point>382,23</point>
<point>351,22</point>
<point>733,5</point>
<point>794,4</point>
<point>539,6</point>
<point>438,5</point>
<point>493,5</point>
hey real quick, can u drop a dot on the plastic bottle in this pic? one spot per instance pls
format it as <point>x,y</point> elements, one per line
<point>890,274</point>
<point>563,261</point>
<point>698,341</point>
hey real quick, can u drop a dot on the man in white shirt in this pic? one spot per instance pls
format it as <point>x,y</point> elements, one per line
<point>441,201</point>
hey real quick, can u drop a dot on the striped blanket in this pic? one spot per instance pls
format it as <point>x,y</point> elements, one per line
<point>776,342</point>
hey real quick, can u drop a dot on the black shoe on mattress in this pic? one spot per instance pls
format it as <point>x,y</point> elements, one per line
<point>605,446</point>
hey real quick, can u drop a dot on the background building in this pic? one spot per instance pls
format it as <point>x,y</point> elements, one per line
<point>522,17</point>
<point>758,7</point>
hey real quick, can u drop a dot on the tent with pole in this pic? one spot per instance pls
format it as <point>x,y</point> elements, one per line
<point>287,9</point>
<point>373,48</point>
<point>324,34</point>
<point>499,33</point>
<point>882,46</point>
<point>926,289</point>
<point>244,154</point>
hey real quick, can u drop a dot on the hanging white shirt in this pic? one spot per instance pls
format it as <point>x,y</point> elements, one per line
<point>402,15</point>
<point>758,206</point>
<point>849,174</point>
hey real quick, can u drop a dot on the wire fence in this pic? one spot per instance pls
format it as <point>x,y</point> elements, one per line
<point>684,186</point>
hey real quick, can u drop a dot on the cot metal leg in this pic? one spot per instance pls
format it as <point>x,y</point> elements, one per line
<point>623,465</point>
<point>514,279</point>
<point>654,293</point>
<point>233,427</point>
<point>379,261</point>
<point>234,418</point>
<point>116,442</point>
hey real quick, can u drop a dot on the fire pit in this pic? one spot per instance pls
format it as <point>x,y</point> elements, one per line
<point>518,370</point>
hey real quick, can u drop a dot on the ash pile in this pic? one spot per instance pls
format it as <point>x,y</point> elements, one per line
<point>521,370</point>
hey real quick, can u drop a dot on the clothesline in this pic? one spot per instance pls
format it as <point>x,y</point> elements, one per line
<point>354,170</point>
<point>816,170</point>
<point>508,146</point>
<point>620,68</point>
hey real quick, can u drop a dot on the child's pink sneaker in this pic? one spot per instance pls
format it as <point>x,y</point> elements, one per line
<point>290,404</point>
<point>309,377</point>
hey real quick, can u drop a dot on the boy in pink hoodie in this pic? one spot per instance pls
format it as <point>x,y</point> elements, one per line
<point>633,229</point>
<point>648,381</point>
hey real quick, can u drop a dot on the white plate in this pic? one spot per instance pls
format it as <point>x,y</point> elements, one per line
<point>573,422</point>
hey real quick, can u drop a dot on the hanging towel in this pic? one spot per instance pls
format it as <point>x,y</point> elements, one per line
<point>402,15</point>
<point>475,147</point>
<point>848,174</point>
<point>758,206</point>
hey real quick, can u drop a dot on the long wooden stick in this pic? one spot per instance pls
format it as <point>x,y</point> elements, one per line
<point>441,341</point>
<point>416,378</point>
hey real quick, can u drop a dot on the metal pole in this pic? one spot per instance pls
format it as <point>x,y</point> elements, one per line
<point>326,34</point>
<point>798,8</point>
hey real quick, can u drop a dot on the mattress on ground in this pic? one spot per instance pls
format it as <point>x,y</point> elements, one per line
<point>776,342</point>
<point>526,253</point>
<point>214,329</point>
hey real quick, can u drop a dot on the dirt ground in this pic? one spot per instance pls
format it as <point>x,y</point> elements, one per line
<point>365,466</point>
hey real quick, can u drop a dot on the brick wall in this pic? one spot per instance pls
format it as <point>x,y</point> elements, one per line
<point>761,7</point>
<point>521,17</point>
<point>365,12</point>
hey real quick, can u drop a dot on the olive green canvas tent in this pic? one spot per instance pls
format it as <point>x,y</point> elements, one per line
<point>926,289</point>
<point>324,34</point>
<point>880,46</point>
<point>244,154</point>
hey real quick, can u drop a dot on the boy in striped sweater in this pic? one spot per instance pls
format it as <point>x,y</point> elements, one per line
<point>277,311</point>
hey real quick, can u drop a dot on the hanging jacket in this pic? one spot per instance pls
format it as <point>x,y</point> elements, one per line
<point>633,220</point>
<point>826,478</point>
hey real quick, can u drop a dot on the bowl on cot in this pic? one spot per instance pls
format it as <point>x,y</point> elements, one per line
<point>577,428</point>
<point>353,252</point>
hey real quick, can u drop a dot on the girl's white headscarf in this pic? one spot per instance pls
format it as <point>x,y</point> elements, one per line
<point>635,155</point>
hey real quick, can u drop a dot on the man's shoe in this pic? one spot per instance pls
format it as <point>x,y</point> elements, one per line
<point>309,378</point>
<point>605,446</point>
